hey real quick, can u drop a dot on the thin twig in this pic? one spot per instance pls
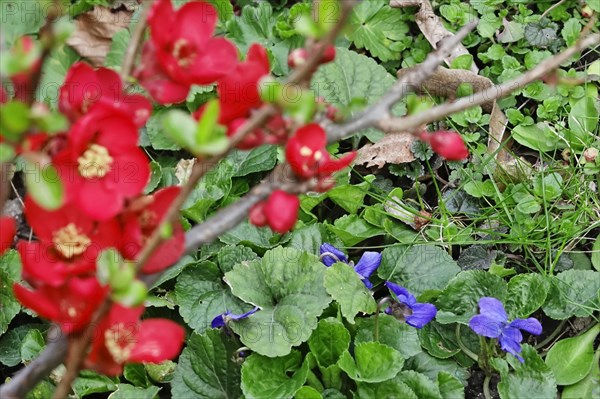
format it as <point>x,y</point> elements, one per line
<point>411,122</point>
<point>136,40</point>
<point>381,110</point>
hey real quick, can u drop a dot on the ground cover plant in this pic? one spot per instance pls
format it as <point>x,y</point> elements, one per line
<point>299,199</point>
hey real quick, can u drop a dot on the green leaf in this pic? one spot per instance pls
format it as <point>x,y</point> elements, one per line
<point>162,372</point>
<point>351,76</point>
<point>257,238</point>
<point>10,270</point>
<point>347,289</point>
<point>417,268</point>
<point>210,138</point>
<point>90,382</point>
<point>272,378</point>
<point>20,18</point>
<point>205,369</point>
<point>583,120</point>
<point>596,253</point>
<point>541,34</point>
<point>14,120</point>
<point>202,296</point>
<point>259,159</point>
<point>433,367</point>
<point>32,345</point>
<point>573,293</point>
<point>389,389</point>
<point>571,31</point>
<point>379,28</point>
<point>372,362</point>
<point>539,137</point>
<point>309,238</point>
<point>54,71</point>
<point>307,392</point>
<point>214,186</point>
<point>352,229</point>
<point>548,186</point>
<point>450,387</point>
<point>392,333</point>
<point>118,47</point>
<point>571,359</point>
<point>348,196</point>
<point>232,255</point>
<point>422,386</point>
<point>458,302</point>
<point>44,186</point>
<point>439,340</point>
<point>256,24</point>
<point>126,391</point>
<point>10,343</point>
<point>136,374</point>
<point>180,128</point>
<point>155,177</point>
<point>526,294</point>
<point>329,341</point>
<point>531,379</point>
<point>287,285</point>
<point>588,387</point>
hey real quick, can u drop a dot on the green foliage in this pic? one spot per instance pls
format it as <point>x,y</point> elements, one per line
<point>205,369</point>
<point>10,272</point>
<point>288,287</point>
<point>346,288</point>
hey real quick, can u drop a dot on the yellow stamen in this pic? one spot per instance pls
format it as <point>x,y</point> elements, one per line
<point>95,162</point>
<point>70,241</point>
<point>113,338</point>
<point>305,151</point>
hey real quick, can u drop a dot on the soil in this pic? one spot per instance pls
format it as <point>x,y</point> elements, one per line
<point>475,388</point>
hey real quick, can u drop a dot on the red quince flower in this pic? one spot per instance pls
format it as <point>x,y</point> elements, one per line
<point>85,86</point>
<point>448,144</point>
<point>102,165</point>
<point>7,233</point>
<point>306,153</point>
<point>69,243</point>
<point>70,305</point>
<point>238,90</point>
<point>121,338</point>
<point>159,85</point>
<point>274,132</point>
<point>139,225</point>
<point>279,212</point>
<point>183,44</point>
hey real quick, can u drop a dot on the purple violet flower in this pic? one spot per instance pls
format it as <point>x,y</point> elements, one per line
<point>223,318</point>
<point>407,308</point>
<point>368,263</point>
<point>492,322</point>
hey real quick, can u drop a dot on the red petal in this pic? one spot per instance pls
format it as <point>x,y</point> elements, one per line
<point>219,57</point>
<point>7,233</point>
<point>36,301</point>
<point>80,89</point>
<point>330,166</point>
<point>257,215</point>
<point>195,22</point>
<point>157,340</point>
<point>156,82</point>
<point>281,210</point>
<point>161,19</point>
<point>258,54</point>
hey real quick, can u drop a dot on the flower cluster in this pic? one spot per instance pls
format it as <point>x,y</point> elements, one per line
<point>182,51</point>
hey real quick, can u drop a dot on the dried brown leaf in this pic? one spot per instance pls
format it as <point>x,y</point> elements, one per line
<point>394,148</point>
<point>94,31</point>
<point>432,27</point>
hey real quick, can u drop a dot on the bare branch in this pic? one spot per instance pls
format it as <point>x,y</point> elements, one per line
<point>41,367</point>
<point>409,123</point>
<point>381,110</point>
<point>136,40</point>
